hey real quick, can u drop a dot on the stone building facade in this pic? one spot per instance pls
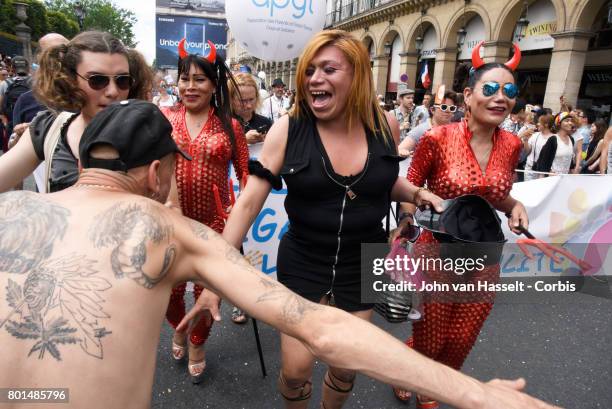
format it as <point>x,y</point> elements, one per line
<point>567,44</point>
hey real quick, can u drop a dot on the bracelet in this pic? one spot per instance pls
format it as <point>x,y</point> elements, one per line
<point>416,194</point>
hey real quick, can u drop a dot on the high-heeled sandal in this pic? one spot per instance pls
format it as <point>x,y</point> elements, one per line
<point>402,395</point>
<point>178,351</point>
<point>304,395</point>
<point>196,370</point>
<point>427,404</point>
<point>333,385</point>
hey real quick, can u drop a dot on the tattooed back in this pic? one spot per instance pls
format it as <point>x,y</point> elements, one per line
<point>85,279</point>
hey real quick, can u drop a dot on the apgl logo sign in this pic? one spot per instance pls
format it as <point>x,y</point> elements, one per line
<point>300,7</point>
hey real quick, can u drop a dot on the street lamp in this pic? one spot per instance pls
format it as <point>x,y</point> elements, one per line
<point>79,11</point>
<point>462,32</point>
<point>418,42</point>
<point>388,48</point>
<point>522,23</point>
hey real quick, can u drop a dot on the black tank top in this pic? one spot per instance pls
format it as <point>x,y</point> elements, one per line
<point>332,212</point>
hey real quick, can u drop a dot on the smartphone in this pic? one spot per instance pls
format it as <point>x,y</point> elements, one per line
<point>263,129</point>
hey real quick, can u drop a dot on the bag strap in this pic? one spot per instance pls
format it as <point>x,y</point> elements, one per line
<point>51,140</point>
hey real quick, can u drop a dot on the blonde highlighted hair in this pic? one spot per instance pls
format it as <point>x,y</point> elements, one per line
<point>362,104</point>
<point>243,79</point>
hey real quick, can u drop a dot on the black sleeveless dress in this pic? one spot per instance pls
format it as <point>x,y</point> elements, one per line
<point>331,215</point>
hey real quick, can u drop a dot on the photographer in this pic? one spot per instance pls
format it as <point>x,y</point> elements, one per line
<point>245,100</point>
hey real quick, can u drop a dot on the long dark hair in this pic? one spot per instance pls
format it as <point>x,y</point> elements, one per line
<point>219,74</point>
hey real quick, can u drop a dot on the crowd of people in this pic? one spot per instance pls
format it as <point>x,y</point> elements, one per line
<point>110,156</point>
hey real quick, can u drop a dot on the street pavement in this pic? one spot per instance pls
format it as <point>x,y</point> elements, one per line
<point>560,344</point>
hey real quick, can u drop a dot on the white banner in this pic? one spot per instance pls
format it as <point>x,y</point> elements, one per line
<point>571,210</point>
<point>542,22</point>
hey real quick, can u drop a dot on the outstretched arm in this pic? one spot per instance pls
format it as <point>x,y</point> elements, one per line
<point>335,336</point>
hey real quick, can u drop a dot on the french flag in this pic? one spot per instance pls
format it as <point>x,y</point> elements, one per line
<point>425,79</point>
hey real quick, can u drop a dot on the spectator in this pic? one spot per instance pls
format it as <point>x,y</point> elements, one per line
<point>165,97</point>
<point>460,112</point>
<point>441,114</point>
<point>15,87</point>
<point>582,138</point>
<point>533,145</point>
<point>403,114</point>
<point>558,151</point>
<point>590,164</point>
<point>421,113</point>
<point>276,105</point>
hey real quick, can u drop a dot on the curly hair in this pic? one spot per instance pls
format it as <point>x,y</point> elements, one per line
<point>56,84</point>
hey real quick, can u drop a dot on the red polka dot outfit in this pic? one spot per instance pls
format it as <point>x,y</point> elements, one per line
<point>211,152</point>
<point>444,160</point>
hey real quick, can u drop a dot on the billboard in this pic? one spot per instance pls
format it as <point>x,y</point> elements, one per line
<point>211,6</point>
<point>171,29</point>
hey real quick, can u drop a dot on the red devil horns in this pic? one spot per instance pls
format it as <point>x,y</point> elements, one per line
<point>513,64</point>
<point>477,62</point>
<point>181,49</point>
<point>515,60</point>
<point>212,53</point>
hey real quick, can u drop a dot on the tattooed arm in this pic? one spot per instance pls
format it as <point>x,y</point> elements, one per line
<point>333,335</point>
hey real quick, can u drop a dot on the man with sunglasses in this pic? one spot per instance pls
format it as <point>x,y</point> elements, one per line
<point>441,113</point>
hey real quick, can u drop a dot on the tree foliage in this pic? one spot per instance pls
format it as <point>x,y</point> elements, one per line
<point>59,23</point>
<point>100,15</point>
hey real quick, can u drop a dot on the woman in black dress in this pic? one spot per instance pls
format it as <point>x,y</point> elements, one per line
<point>337,152</point>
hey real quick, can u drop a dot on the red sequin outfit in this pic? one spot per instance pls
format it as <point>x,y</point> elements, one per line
<point>211,152</point>
<point>445,160</point>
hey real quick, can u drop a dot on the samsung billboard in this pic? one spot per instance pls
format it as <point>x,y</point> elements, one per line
<point>171,29</point>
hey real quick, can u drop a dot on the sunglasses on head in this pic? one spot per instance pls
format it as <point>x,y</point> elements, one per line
<point>446,107</point>
<point>99,81</point>
<point>509,89</point>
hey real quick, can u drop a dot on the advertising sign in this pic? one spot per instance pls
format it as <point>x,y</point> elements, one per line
<point>542,22</point>
<point>171,29</point>
<point>211,6</point>
<point>430,44</point>
<point>475,34</point>
<point>274,30</point>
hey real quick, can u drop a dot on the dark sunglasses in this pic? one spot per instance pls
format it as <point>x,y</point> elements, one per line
<point>410,232</point>
<point>509,89</point>
<point>99,81</point>
<point>446,107</point>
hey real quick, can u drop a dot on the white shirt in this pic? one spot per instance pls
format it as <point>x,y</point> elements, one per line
<point>272,107</point>
<point>563,157</point>
<point>536,142</point>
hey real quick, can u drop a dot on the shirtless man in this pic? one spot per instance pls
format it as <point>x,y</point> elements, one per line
<point>86,274</point>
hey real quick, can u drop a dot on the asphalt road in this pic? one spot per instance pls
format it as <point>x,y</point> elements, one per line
<point>560,344</point>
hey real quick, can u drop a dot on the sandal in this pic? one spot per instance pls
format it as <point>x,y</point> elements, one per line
<point>427,403</point>
<point>238,316</point>
<point>304,395</point>
<point>402,395</point>
<point>196,370</point>
<point>196,367</point>
<point>178,351</point>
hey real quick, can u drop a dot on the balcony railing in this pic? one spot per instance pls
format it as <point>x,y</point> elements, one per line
<point>354,8</point>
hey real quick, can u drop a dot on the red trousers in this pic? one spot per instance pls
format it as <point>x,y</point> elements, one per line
<point>176,312</point>
<point>448,331</point>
